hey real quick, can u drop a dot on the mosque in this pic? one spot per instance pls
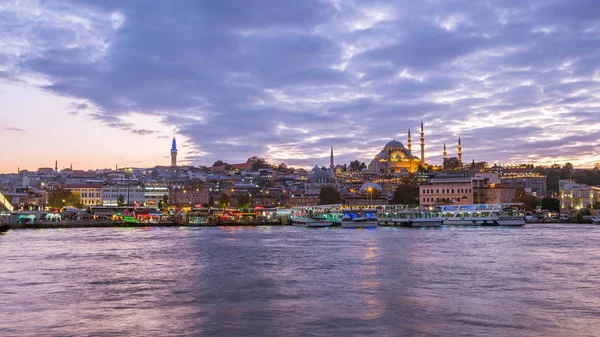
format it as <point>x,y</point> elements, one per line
<point>395,158</point>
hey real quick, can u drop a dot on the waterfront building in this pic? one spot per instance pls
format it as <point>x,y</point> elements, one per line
<point>499,193</point>
<point>90,194</point>
<point>192,196</point>
<point>154,192</point>
<point>575,196</point>
<point>454,189</point>
<point>132,195</point>
<point>526,180</point>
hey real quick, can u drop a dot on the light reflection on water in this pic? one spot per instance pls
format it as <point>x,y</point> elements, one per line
<point>540,280</point>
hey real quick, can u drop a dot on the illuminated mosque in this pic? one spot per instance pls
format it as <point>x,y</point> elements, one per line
<point>395,158</point>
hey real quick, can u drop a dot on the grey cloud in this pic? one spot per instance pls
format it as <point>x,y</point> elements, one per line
<point>276,79</point>
<point>14,129</point>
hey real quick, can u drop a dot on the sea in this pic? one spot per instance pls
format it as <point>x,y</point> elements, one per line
<point>536,280</point>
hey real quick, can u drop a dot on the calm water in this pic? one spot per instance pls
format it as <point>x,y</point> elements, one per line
<point>540,280</point>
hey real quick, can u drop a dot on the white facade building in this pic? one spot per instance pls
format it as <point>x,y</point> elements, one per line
<point>574,196</point>
<point>132,194</point>
<point>153,193</point>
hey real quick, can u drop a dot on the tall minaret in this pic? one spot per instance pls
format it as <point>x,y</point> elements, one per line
<point>56,166</point>
<point>422,145</point>
<point>174,153</point>
<point>409,142</point>
<point>459,152</point>
<point>331,167</point>
<point>445,153</point>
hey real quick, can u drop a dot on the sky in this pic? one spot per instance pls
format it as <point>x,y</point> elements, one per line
<point>99,83</point>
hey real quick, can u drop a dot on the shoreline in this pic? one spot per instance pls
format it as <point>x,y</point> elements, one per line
<point>101,224</point>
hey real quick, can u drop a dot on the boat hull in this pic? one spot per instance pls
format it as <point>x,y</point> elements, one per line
<point>510,222</point>
<point>484,222</point>
<point>4,228</point>
<point>425,223</point>
<point>359,224</point>
<point>300,222</point>
<point>318,223</point>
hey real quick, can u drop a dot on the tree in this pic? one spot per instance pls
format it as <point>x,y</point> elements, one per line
<point>407,192</point>
<point>164,202</point>
<point>243,201</point>
<point>60,198</point>
<point>551,204</point>
<point>354,166</point>
<point>224,200</point>
<point>218,163</point>
<point>529,201</point>
<point>121,200</point>
<point>451,163</point>
<point>362,166</point>
<point>329,195</point>
<point>282,167</point>
<point>480,165</point>
<point>258,163</point>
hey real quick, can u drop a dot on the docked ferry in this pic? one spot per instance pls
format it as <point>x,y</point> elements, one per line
<point>507,214</point>
<point>317,216</point>
<point>409,216</point>
<point>359,218</point>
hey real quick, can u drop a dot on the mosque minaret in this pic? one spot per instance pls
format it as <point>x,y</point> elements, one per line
<point>445,152</point>
<point>459,152</point>
<point>422,145</point>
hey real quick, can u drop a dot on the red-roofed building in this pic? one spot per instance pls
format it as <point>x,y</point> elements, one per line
<point>498,193</point>
<point>234,167</point>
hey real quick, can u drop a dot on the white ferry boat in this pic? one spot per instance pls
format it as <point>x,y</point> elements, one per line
<point>318,216</point>
<point>409,216</point>
<point>508,214</point>
<point>358,222</point>
<point>359,218</point>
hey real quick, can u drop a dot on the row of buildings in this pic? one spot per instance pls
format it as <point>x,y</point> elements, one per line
<point>287,187</point>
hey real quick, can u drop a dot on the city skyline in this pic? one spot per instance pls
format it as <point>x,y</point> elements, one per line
<point>99,84</point>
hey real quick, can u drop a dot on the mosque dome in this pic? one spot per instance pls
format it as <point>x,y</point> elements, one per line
<point>319,174</point>
<point>370,185</point>
<point>316,168</point>
<point>393,143</point>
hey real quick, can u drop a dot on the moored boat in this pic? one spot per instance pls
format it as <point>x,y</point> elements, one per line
<point>4,227</point>
<point>358,222</point>
<point>410,216</point>
<point>506,214</point>
<point>318,216</point>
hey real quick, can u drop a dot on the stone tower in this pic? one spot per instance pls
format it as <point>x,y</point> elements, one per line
<point>174,153</point>
<point>422,145</point>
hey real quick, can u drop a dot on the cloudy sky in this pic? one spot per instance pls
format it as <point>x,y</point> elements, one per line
<point>103,83</point>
